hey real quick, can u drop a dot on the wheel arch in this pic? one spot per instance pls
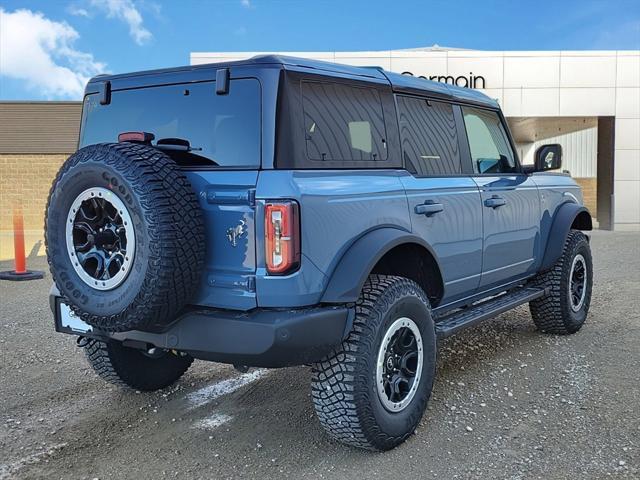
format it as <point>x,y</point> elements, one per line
<point>569,216</point>
<point>387,251</point>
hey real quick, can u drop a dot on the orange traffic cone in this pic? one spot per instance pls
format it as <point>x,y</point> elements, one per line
<point>20,272</point>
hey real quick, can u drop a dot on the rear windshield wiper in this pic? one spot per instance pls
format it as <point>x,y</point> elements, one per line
<point>178,148</point>
<point>176,144</point>
<point>182,151</point>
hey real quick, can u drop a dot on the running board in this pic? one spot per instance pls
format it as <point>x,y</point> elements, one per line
<point>448,324</point>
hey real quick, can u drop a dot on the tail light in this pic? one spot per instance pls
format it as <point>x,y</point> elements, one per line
<point>282,237</point>
<point>137,137</point>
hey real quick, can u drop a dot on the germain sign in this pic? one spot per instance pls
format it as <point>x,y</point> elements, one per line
<point>472,81</point>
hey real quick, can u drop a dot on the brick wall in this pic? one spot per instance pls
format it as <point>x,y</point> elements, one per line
<point>590,193</point>
<point>25,179</point>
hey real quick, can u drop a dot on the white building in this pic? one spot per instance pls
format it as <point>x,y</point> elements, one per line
<point>588,101</point>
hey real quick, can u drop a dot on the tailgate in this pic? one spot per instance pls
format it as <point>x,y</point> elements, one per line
<point>227,199</point>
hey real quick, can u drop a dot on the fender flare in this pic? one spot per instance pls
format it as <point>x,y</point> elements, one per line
<point>348,277</point>
<point>562,222</point>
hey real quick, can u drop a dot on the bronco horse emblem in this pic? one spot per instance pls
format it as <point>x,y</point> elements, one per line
<point>234,233</point>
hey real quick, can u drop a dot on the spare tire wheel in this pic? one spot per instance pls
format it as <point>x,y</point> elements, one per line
<point>124,237</point>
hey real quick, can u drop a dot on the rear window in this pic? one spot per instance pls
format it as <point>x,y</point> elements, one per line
<point>222,130</point>
<point>429,138</point>
<point>343,123</point>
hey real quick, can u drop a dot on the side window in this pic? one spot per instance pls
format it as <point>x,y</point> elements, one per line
<point>342,122</point>
<point>488,142</point>
<point>428,135</point>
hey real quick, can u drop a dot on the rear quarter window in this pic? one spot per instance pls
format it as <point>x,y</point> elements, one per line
<point>223,130</point>
<point>343,123</point>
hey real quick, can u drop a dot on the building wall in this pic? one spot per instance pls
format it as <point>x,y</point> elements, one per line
<point>533,84</point>
<point>606,152</point>
<point>590,193</point>
<point>39,127</point>
<point>25,180</point>
<point>579,151</point>
<point>35,138</point>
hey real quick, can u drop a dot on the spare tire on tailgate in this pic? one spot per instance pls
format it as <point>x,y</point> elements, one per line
<point>124,236</point>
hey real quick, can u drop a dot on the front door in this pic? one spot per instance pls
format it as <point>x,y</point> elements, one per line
<point>444,201</point>
<point>509,199</point>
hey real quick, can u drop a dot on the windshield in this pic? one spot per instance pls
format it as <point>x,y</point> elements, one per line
<point>221,129</point>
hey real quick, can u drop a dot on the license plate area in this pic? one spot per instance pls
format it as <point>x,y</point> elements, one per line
<point>68,322</point>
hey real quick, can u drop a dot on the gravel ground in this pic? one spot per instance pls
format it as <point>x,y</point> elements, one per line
<point>508,403</point>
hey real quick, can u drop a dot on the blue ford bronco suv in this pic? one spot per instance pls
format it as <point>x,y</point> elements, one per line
<point>281,211</point>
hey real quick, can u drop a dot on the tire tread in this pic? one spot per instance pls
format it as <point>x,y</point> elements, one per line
<point>176,234</point>
<point>128,375</point>
<point>341,402</point>
<point>548,312</point>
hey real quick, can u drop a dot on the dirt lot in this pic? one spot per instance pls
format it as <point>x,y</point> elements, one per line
<point>508,403</point>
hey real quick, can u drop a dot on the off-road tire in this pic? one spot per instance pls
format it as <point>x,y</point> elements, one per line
<point>343,384</point>
<point>169,236</point>
<point>132,369</point>
<point>552,313</point>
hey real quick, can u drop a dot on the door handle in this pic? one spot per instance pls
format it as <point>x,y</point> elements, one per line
<point>428,208</point>
<point>495,201</point>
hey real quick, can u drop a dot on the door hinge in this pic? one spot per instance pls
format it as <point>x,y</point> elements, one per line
<point>221,196</point>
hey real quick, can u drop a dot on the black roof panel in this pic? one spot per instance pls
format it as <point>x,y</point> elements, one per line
<point>411,84</point>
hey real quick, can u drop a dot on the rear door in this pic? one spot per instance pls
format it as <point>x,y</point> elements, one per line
<point>444,201</point>
<point>510,202</point>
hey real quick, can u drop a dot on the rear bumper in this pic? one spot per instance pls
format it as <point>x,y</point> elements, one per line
<point>259,338</point>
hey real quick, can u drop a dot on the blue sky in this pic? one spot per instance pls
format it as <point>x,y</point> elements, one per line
<point>49,48</point>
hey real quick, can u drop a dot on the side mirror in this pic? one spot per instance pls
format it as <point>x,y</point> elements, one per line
<point>548,157</point>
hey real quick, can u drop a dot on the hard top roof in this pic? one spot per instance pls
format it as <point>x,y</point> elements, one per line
<point>398,82</point>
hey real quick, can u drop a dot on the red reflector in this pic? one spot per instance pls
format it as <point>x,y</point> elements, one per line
<point>141,137</point>
<point>282,237</point>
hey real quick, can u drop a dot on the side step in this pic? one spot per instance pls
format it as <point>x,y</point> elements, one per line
<point>448,324</point>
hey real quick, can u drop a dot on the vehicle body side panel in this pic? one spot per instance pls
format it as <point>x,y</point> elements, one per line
<point>555,190</point>
<point>560,229</point>
<point>511,231</point>
<point>455,233</point>
<point>355,265</point>
<point>336,208</point>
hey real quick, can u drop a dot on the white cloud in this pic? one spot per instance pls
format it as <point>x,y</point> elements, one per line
<point>41,52</point>
<point>153,7</point>
<point>126,11</point>
<point>246,3</point>
<point>78,11</point>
